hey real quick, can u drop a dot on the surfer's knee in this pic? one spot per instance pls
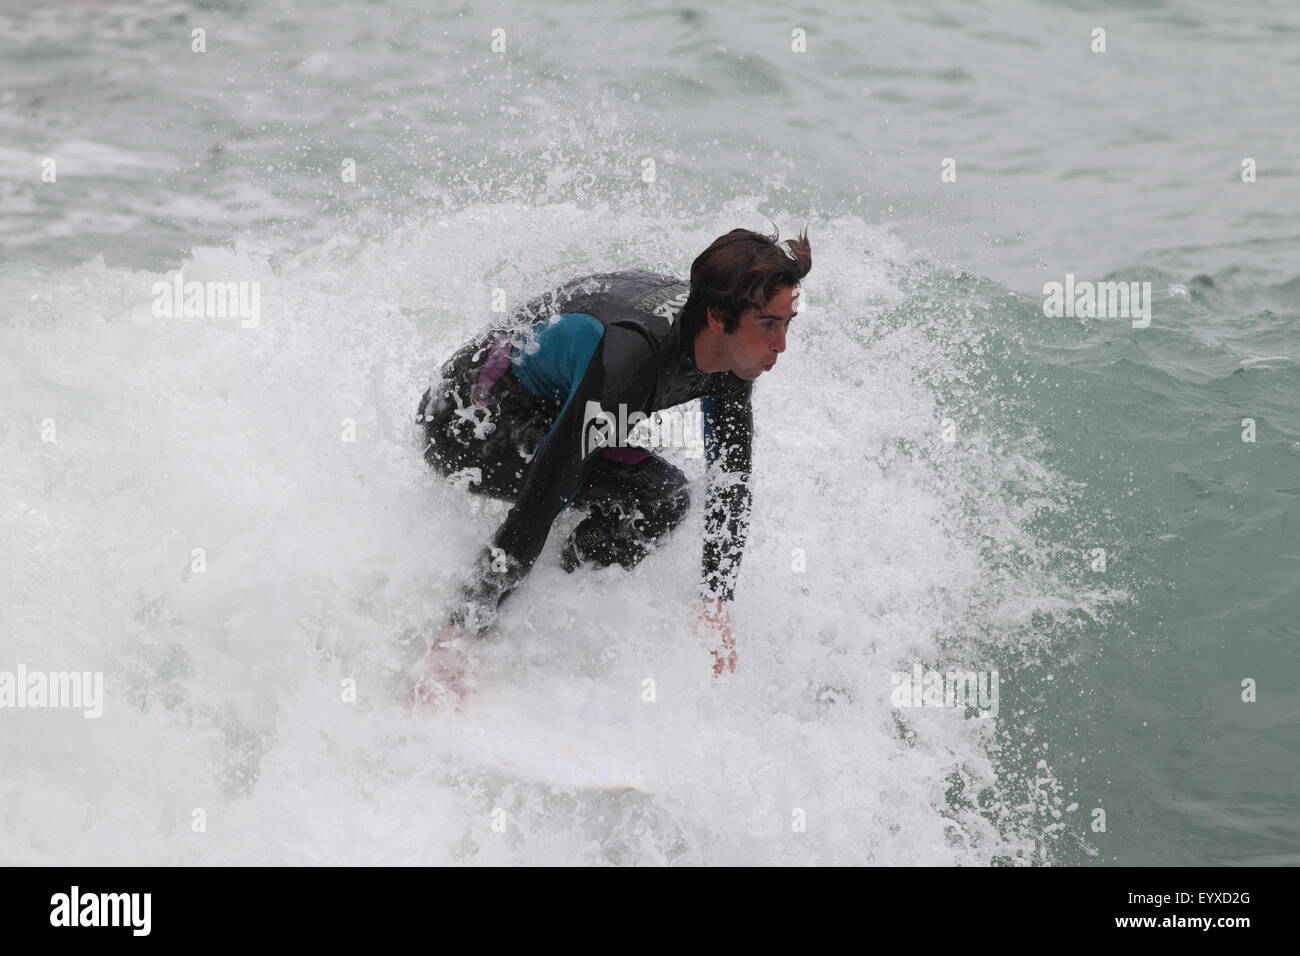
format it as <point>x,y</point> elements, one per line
<point>665,498</point>
<point>678,504</point>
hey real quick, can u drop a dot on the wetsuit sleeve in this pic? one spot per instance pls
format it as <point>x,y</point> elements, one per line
<point>728,446</point>
<point>605,366</point>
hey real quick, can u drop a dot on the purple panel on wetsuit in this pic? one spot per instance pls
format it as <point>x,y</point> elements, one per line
<point>625,456</point>
<point>495,366</point>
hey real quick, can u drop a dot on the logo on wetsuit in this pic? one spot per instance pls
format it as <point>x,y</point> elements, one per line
<point>602,429</point>
<point>667,301</point>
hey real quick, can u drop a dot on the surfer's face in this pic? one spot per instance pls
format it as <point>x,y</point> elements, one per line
<point>760,337</point>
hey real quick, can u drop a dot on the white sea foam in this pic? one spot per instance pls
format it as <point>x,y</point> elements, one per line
<point>319,555</point>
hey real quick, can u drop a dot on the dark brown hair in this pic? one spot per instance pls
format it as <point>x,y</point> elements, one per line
<point>741,271</point>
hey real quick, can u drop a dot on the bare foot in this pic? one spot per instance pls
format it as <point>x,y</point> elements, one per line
<point>440,678</point>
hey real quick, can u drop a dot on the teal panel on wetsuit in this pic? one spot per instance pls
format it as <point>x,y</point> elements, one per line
<point>564,350</point>
<point>565,346</point>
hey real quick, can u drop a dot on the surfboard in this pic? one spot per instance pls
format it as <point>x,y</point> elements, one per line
<point>497,735</point>
<point>549,762</point>
<point>519,748</point>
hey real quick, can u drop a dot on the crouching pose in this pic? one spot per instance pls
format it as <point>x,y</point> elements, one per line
<point>533,417</point>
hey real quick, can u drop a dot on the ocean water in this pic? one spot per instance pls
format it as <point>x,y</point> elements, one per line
<point>1101,510</point>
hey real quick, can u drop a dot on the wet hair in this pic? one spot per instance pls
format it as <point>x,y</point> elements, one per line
<point>740,271</point>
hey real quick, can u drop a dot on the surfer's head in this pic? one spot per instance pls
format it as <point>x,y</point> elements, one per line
<point>744,292</point>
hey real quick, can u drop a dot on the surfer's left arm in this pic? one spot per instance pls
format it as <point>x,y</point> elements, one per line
<point>602,368</point>
<point>728,447</point>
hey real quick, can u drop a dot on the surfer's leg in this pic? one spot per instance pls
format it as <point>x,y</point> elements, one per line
<point>497,438</point>
<point>635,498</point>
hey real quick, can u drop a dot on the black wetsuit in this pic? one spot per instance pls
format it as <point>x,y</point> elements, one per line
<point>525,416</point>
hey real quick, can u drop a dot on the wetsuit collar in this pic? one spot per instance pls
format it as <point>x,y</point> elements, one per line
<point>685,361</point>
<point>680,379</point>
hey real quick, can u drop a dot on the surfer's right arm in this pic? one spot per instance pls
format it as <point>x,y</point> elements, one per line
<point>728,447</point>
<point>728,442</point>
<point>588,365</point>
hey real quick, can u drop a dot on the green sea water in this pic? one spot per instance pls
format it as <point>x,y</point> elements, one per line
<point>1104,511</point>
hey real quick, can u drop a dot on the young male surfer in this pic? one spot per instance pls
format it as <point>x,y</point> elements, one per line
<point>535,414</point>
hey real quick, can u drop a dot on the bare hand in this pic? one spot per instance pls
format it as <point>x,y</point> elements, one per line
<point>715,620</point>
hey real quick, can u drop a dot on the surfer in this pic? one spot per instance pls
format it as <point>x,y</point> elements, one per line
<point>536,413</point>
